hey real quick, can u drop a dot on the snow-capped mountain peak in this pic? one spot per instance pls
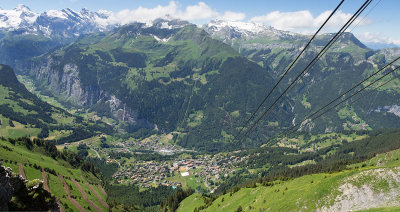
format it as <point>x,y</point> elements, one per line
<point>21,16</point>
<point>232,29</point>
<point>249,27</point>
<point>169,23</point>
<point>54,14</point>
<point>23,8</point>
<point>54,23</point>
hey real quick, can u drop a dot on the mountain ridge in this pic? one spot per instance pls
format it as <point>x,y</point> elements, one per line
<point>53,23</point>
<point>131,60</point>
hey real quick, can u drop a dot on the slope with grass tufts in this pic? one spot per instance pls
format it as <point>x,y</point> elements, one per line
<point>37,163</point>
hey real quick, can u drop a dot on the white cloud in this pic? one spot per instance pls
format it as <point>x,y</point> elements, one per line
<point>337,20</point>
<point>286,20</point>
<point>233,16</point>
<point>199,11</point>
<point>377,37</point>
<point>142,14</point>
<point>301,21</point>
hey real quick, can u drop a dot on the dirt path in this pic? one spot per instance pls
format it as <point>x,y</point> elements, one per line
<point>46,187</point>
<point>97,195</point>
<point>21,171</point>
<point>74,202</point>
<point>60,205</point>
<point>85,197</point>
<point>102,190</point>
<point>98,155</point>
<point>44,176</point>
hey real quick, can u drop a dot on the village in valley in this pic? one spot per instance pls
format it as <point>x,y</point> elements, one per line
<point>156,162</point>
<point>203,171</point>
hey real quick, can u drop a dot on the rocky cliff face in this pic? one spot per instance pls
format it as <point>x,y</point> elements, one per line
<point>6,190</point>
<point>63,80</point>
<point>29,195</point>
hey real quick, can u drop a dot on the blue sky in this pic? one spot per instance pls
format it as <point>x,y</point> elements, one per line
<point>294,15</point>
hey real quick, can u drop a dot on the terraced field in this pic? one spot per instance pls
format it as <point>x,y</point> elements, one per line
<point>82,186</point>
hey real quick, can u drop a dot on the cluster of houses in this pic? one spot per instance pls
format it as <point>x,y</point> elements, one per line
<point>154,173</point>
<point>153,144</point>
<point>204,168</point>
<point>146,174</point>
<point>223,166</point>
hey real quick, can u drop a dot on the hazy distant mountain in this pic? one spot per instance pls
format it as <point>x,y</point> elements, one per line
<point>377,46</point>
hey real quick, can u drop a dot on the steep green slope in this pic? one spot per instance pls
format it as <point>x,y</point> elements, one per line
<point>37,159</point>
<point>24,114</point>
<point>370,184</point>
<point>177,79</point>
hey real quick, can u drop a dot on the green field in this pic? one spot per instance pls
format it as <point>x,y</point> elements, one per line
<point>190,203</point>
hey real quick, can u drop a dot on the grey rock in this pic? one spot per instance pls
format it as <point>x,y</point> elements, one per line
<point>6,190</point>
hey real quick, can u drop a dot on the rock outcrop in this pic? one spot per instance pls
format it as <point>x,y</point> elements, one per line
<point>28,195</point>
<point>6,190</point>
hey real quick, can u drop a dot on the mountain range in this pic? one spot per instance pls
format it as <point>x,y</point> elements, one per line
<point>198,77</point>
<point>151,111</point>
<point>66,23</point>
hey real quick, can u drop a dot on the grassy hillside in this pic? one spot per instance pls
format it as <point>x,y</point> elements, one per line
<point>319,191</point>
<point>371,185</point>
<point>34,162</point>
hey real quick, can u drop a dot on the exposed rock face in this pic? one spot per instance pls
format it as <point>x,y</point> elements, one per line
<point>64,81</point>
<point>122,112</point>
<point>6,190</point>
<point>30,194</point>
<point>369,189</point>
<point>395,109</point>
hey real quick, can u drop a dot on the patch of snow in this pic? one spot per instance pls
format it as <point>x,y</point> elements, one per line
<point>23,8</point>
<point>21,15</point>
<point>56,14</point>
<point>164,40</point>
<point>165,25</point>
